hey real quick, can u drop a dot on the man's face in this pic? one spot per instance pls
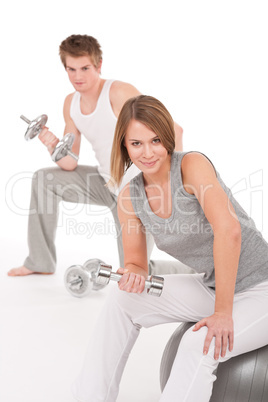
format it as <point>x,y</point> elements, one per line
<point>82,73</point>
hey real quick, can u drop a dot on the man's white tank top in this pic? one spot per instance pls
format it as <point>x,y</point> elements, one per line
<point>98,127</point>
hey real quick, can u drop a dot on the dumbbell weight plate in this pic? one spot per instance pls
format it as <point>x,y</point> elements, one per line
<point>91,266</point>
<point>62,148</point>
<point>83,285</point>
<point>35,127</point>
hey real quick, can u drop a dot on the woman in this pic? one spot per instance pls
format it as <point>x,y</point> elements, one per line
<point>182,201</point>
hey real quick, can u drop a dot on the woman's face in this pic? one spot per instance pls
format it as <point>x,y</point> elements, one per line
<point>145,148</point>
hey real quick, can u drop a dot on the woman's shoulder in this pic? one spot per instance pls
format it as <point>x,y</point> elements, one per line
<point>194,160</point>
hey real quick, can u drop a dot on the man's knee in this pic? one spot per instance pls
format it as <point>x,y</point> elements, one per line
<point>44,176</point>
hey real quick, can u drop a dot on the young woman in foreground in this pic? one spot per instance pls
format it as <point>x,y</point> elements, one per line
<point>182,201</point>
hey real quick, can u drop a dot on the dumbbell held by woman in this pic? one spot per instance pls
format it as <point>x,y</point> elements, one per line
<point>104,274</point>
<point>94,274</point>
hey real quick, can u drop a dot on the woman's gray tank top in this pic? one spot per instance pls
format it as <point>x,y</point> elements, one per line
<point>187,235</point>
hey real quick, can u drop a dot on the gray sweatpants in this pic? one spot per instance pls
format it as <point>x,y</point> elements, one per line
<point>83,185</point>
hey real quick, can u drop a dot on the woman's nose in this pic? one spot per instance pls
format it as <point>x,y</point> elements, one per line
<point>148,152</point>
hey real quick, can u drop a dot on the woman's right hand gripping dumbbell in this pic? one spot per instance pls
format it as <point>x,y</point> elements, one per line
<point>130,281</point>
<point>48,139</point>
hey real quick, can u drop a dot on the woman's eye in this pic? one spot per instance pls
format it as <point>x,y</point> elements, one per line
<point>136,143</point>
<point>156,141</point>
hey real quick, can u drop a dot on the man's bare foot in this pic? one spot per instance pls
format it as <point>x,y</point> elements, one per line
<point>23,271</point>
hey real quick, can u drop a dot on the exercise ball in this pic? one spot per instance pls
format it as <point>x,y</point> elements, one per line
<point>243,378</point>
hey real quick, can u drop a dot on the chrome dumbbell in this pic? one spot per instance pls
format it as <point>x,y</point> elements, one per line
<point>104,274</point>
<point>94,275</point>
<point>80,280</point>
<point>62,149</point>
<point>35,126</point>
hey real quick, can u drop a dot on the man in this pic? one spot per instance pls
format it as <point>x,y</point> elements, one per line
<point>92,110</point>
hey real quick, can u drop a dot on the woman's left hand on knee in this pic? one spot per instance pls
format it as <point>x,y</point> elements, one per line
<point>220,326</point>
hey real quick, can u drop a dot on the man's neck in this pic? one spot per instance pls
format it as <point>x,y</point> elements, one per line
<point>90,97</point>
<point>93,93</point>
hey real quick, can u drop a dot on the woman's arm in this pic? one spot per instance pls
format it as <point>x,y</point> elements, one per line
<point>200,179</point>
<point>135,269</point>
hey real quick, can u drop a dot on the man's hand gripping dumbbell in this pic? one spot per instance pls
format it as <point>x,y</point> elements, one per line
<point>57,149</point>
<point>80,280</point>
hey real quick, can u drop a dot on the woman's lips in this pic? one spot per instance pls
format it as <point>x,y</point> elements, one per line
<point>149,164</point>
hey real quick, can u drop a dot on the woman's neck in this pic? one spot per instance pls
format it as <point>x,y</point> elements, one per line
<point>161,177</point>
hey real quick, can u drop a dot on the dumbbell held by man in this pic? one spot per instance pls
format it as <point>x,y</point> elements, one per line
<point>60,149</point>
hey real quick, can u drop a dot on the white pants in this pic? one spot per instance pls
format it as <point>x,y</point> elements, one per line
<point>184,298</point>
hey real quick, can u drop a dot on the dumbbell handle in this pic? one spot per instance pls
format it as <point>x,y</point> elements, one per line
<point>117,277</point>
<point>112,277</point>
<point>74,156</point>
<point>104,274</point>
<point>77,281</point>
<point>63,148</point>
<point>25,119</point>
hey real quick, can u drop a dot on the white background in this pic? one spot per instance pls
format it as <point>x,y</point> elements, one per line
<point>207,61</point>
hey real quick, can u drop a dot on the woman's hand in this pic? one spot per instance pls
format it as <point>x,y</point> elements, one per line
<point>220,326</point>
<point>131,282</point>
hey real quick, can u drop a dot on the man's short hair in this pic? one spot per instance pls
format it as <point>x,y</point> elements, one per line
<point>81,45</point>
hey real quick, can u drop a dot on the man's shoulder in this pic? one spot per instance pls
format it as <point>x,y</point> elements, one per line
<point>120,92</point>
<point>69,98</point>
<point>120,87</point>
<point>67,103</point>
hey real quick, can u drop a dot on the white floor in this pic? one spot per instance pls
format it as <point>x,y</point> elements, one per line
<point>45,331</point>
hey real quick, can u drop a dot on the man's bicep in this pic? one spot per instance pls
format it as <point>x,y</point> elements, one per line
<point>70,126</point>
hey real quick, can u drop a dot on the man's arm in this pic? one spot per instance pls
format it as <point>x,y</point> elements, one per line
<point>178,137</point>
<point>68,163</point>
<point>120,92</point>
<point>50,140</point>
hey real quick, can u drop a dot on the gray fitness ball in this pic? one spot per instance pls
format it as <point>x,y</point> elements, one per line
<point>243,378</point>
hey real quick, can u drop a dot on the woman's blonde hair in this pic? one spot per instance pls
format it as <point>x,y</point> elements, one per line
<point>150,112</point>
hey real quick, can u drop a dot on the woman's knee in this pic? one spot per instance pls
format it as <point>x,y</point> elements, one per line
<point>192,344</point>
